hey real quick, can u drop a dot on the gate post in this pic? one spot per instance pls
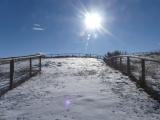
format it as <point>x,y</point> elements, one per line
<point>143,71</point>
<point>128,66</point>
<point>11,73</point>
<point>120,63</point>
<point>40,63</point>
<point>30,67</point>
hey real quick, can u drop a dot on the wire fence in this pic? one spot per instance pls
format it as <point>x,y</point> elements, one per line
<point>64,55</point>
<point>15,70</point>
<point>145,71</point>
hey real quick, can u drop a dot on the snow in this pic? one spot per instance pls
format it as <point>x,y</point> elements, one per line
<point>78,89</point>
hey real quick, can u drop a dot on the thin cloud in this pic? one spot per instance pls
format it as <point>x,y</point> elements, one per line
<point>37,27</point>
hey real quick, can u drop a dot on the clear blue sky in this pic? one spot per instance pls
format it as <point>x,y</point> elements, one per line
<point>56,26</point>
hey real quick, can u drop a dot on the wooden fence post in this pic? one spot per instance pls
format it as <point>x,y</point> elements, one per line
<point>120,63</point>
<point>11,73</point>
<point>128,66</point>
<point>143,71</point>
<point>30,67</point>
<point>115,62</point>
<point>40,63</point>
<point>112,61</point>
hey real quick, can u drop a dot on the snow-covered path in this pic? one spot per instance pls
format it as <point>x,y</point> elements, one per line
<point>78,89</point>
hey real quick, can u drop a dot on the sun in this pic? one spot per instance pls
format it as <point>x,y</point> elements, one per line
<point>93,21</point>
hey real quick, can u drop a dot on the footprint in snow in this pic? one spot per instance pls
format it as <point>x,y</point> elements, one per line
<point>103,90</point>
<point>89,100</point>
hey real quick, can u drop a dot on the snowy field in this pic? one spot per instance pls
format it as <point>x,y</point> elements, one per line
<point>78,89</point>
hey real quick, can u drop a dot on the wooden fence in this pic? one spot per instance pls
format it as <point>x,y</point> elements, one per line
<point>138,68</point>
<point>15,70</point>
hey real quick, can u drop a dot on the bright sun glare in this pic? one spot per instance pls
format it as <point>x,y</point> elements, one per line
<point>93,21</point>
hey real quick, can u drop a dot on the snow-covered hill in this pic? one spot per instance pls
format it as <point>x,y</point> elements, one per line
<point>78,89</point>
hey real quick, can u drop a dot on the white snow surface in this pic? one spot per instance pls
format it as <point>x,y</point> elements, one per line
<point>78,89</point>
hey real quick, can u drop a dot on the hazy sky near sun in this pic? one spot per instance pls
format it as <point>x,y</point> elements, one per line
<point>57,26</point>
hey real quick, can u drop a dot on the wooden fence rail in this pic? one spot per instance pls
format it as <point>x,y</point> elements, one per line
<point>12,61</point>
<point>116,62</point>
